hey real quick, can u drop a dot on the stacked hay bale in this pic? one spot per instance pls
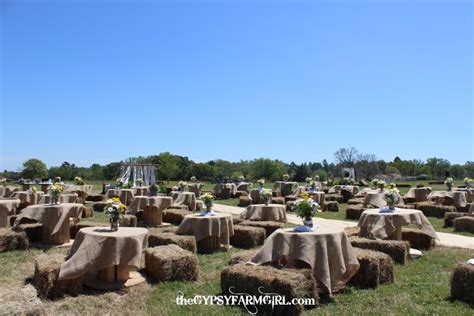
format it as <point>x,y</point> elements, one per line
<point>247,236</point>
<point>175,216</point>
<point>397,249</point>
<point>434,210</point>
<point>376,268</point>
<point>242,256</point>
<point>171,263</point>
<point>13,240</point>
<point>449,217</point>
<point>464,224</point>
<point>170,238</point>
<point>462,282</point>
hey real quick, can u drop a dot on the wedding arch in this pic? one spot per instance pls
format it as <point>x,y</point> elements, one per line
<point>134,171</point>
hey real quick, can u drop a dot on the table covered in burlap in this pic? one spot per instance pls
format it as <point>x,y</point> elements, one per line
<point>382,225</point>
<point>327,250</point>
<point>7,207</point>
<point>244,186</point>
<point>458,198</point>
<point>125,195</point>
<point>284,188</point>
<point>354,189</point>
<point>8,191</point>
<point>97,248</point>
<point>51,215</point>
<point>27,197</point>
<point>143,191</point>
<point>195,188</point>
<point>184,198</point>
<point>220,186</point>
<point>63,198</point>
<point>84,188</point>
<point>140,202</point>
<point>469,193</point>
<point>419,194</point>
<point>262,212</point>
<point>219,225</point>
<point>375,198</point>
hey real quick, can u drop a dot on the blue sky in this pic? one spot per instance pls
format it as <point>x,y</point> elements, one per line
<point>100,81</point>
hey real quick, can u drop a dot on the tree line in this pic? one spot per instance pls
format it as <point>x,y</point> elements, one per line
<point>175,167</point>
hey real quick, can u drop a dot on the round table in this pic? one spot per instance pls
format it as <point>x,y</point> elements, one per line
<point>212,232</point>
<point>7,191</point>
<point>418,194</point>
<point>456,198</point>
<point>219,187</point>
<point>284,188</point>
<point>327,251</point>
<point>262,212</point>
<point>112,254</point>
<point>141,191</point>
<point>389,225</point>
<point>63,198</point>
<point>184,198</point>
<point>7,207</point>
<point>375,198</point>
<point>27,198</point>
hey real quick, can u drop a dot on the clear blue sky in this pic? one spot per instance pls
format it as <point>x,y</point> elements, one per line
<point>100,81</point>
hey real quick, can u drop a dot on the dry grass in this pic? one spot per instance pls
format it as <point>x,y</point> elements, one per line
<point>247,236</point>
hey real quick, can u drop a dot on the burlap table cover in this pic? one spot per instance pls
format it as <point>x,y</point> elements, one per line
<point>219,225</point>
<point>328,252</point>
<point>184,198</point>
<point>375,198</point>
<point>195,188</point>
<point>143,191</point>
<point>244,186</point>
<point>51,216</point>
<point>337,189</point>
<point>7,207</point>
<point>419,194</point>
<point>284,188</point>
<point>8,191</point>
<point>140,202</point>
<point>262,212</point>
<point>85,188</point>
<point>220,186</point>
<point>97,248</point>
<point>469,193</point>
<point>459,198</point>
<point>125,195</point>
<point>27,197</point>
<point>63,198</point>
<point>382,225</point>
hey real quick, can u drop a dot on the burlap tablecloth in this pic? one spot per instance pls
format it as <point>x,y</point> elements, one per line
<point>244,186</point>
<point>419,194</point>
<point>220,225</point>
<point>142,191</point>
<point>459,198</point>
<point>381,225</point>
<point>97,248</point>
<point>469,194</point>
<point>139,203</point>
<point>125,195</point>
<point>63,198</point>
<point>262,212</point>
<point>220,186</point>
<point>51,216</point>
<point>337,189</point>
<point>7,207</point>
<point>375,198</point>
<point>8,191</point>
<point>327,251</point>
<point>85,188</point>
<point>284,188</point>
<point>27,197</point>
<point>184,198</point>
<point>195,188</point>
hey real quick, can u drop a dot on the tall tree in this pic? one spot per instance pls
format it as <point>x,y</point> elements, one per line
<point>34,168</point>
<point>346,157</point>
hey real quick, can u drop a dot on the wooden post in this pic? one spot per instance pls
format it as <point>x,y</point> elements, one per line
<point>114,274</point>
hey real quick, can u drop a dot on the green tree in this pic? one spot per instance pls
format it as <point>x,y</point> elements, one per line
<point>34,168</point>
<point>437,167</point>
<point>266,168</point>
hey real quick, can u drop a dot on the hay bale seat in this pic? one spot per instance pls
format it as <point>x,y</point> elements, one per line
<point>278,200</point>
<point>87,212</point>
<point>33,231</point>
<point>13,240</point>
<point>354,211</point>
<point>46,278</point>
<point>376,268</point>
<point>464,224</point>
<point>244,201</point>
<point>242,256</point>
<point>175,216</point>
<point>331,206</point>
<point>352,231</point>
<point>171,263</point>
<point>128,221</point>
<point>164,229</point>
<point>238,194</point>
<point>334,197</point>
<point>75,228</point>
<point>356,201</point>
<point>269,226</point>
<point>98,206</point>
<point>434,210</point>
<point>236,219</point>
<point>290,283</point>
<point>95,198</point>
<point>449,217</point>
<point>247,237</point>
<point>417,239</point>
<point>170,238</point>
<point>462,282</point>
<point>397,249</point>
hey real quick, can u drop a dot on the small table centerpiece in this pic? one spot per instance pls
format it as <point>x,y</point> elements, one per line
<point>55,191</point>
<point>266,196</point>
<point>207,199</point>
<point>305,207</point>
<point>114,208</point>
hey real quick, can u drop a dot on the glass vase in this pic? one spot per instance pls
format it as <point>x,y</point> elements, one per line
<point>308,221</point>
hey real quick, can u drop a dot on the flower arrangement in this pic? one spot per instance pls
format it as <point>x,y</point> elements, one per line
<point>305,207</point>
<point>392,198</point>
<point>308,180</point>
<point>312,185</point>
<point>375,183</point>
<point>392,185</point>
<point>316,178</point>
<point>182,185</point>
<point>114,208</point>
<point>193,179</point>
<point>286,177</point>
<point>381,184</point>
<point>261,183</point>
<point>55,191</point>
<point>241,178</point>
<point>468,182</point>
<point>207,199</point>
<point>449,182</point>
<point>119,182</point>
<point>57,180</point>
<point>139,182</point>
<point>266,196</point>
<point>78,181</point>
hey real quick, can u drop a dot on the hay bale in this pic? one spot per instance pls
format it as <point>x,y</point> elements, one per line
<point>462,282</point>
<point>174,216</point>
<point>354,211</point>
<point>376,268</point>
<point>352,231</point>
<point>334,197</point>
<point>98,206</point>
<point>269,226</point>
<point>356,201</point>
<point>290,283</point>
<point>13,240</point>
<point>238,194</point>
<point>74,229</point>
<point>247,237</point>
<point>464,224</point>
<point>278,200</point>
<point>409,200</point>
<point>164,229</point>
<point>242,256</point>
<point>171,263</point>
<point>417,239</point>
<point>434,210</point>
<point>397,249</point>
<point>170,238</point>
<point>46,278</point>
<point>87,212</point>
<point>128,221</point>
<point>95,197</point>
<point>236,219</point>
<point>33,231</point>
<point>449,217</point>
<point>244,201</point>
<point>331,206</point>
